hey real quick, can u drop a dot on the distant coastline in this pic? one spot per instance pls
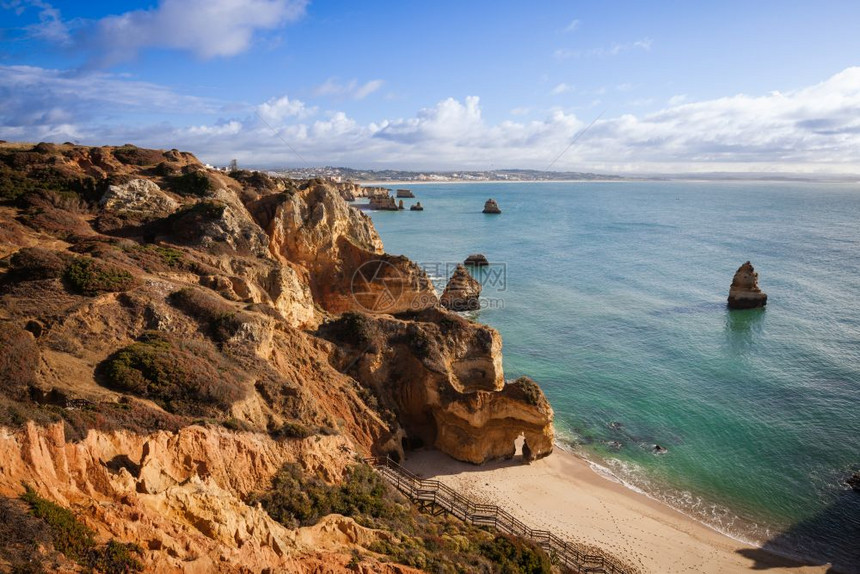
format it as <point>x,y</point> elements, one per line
<point>406,177</point>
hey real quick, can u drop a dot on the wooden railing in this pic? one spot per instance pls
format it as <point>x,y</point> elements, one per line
<point>436,496</point>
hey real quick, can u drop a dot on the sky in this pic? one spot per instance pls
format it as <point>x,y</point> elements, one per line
<point>611,86</point>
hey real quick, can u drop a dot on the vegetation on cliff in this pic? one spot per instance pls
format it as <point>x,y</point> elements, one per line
<point>77,542</point>
<point>142,292</point>
<point>433,543</point>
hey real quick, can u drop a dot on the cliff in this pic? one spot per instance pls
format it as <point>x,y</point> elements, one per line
<point>174,335</point>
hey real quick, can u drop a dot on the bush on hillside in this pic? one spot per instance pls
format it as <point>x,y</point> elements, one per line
<point>88,276</point>
<point>183,377</point>
<point>19,361</point>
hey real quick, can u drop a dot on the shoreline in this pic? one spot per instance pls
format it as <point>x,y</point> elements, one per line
<point>564,493</point>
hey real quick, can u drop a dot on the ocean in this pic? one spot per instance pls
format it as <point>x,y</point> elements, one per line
<point>613,297</point>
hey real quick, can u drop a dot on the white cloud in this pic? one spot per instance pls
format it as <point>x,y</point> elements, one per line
<point>276,110</point>
<point>603,52</point>
<point>51,26</point>
<point>560,89</point>
<point>29,93</point>
<point>573,26</point>
<point>351,89</point>
<point>814,129</point>
<point>206,28</point>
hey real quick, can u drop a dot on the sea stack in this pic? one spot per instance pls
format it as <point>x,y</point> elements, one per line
<point>744,292</point>
<point>416,207</point>
<point>405,193</point>
<point>383,202</point>
<point>476,260</point>
<point>400,205</point>
<point>491,206</point>
<point>462,292</point>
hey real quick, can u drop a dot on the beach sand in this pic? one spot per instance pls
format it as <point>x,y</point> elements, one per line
<point>562,493</point>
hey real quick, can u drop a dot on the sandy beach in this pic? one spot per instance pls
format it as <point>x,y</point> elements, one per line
<point>563,494</point>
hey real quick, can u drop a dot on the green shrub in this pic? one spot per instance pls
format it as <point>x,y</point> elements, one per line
<point>184,377</point>
<point>116,558</point>
<point>70,537</point>
<point>195,183</point>
<point>297,499</point>
<point>516,556</point>
<point>90,277</point>
<point>76,541</point>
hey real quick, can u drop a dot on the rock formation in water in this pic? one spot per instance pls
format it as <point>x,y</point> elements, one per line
<point>462,293</point>
<point>382,202</point>
<point>854,481</point>
<point>416,207</point>
<point>744,292</point>
<point>405,193</point>
<point>400,205</point>
<point>476,260</point>
<point>491,206</point>
<point>172,335</point>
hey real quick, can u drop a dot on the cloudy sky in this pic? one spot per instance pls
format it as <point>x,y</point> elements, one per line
<point>609,86</point>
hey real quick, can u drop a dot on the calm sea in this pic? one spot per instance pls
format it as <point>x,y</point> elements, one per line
<point>613,297</point>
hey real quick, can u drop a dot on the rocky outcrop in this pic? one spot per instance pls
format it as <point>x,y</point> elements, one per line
<point>340,253</point>
<point>744,292</point>
<point>416,207</point>
<point>139,197</point>
<point>491,206</point>
<point>400,205</point>
<point>382,203</point>
<point>462,293</point>
<point>405,193</point>
<point>854,481</point>
<point>443,377</point>
<point>476,260</point>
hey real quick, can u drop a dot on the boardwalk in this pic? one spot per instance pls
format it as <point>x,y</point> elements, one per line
<point>436,497</point>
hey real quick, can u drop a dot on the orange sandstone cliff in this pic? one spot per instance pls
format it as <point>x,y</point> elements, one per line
<point>172,335</point>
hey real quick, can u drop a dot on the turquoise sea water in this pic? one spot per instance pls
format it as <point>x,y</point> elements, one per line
<point>612,296</point>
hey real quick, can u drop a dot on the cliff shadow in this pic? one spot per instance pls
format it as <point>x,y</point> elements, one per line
<point>429,463</point>
<point>831,537</point>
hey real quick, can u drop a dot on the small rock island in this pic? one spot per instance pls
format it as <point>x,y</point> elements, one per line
<point>491,206</point>
<point>476,260</point>
<point>744,292</point>
<point>382,202</point>
<point>416,207</point>
<point>407,193</point>
<point>462,292</point>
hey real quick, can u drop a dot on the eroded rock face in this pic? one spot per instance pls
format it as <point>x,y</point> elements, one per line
<point>178,495</point>
<point>314,229</point>
<point>462,292</point>
<point>138,196</point>
<point>744,292</point>
<point>443,376</point>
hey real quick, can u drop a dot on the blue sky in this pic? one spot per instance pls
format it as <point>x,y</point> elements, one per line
<point>674,86</point>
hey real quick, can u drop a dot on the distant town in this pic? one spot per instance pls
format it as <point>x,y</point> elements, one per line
<point>393,175</point>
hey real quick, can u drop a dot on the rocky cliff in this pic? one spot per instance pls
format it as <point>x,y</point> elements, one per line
<point>172,335</point>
